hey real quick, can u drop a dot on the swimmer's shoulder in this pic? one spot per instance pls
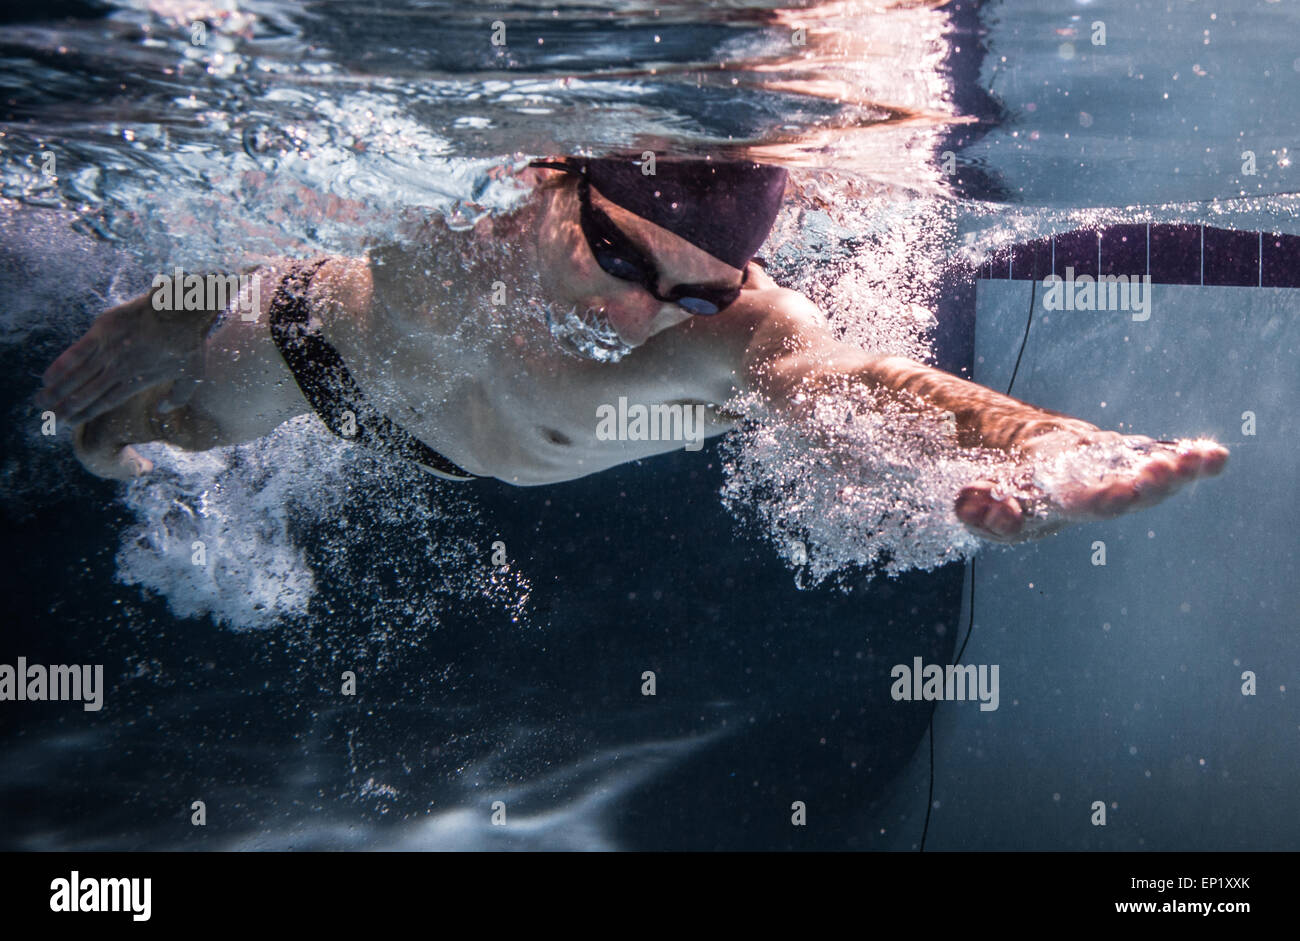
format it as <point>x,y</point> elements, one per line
<point>766,322</point>
<point>764,307</point>
<point>407,275</point>
<point>345,283</point>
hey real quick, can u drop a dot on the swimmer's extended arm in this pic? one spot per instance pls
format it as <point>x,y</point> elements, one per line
<point>792,351</point>
<point>196,379</point>
<point>790,354</point>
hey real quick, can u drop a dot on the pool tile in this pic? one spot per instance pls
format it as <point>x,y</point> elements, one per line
<point>1077,250</point>
<point>954,335</point>
<point>1231,258</point>
<point>997,266</point>
<point>1176,254</point>
<point>1281,261</point>
<point>1031,261</point>
<point>1124,250</point>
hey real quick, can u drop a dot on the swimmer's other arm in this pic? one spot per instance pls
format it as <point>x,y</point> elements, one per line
<point>195,379</point>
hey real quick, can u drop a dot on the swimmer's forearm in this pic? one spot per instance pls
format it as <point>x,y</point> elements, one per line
<point>983,417</point>
<point>792,354</point>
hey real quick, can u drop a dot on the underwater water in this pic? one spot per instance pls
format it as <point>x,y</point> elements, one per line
<point>924,141</point>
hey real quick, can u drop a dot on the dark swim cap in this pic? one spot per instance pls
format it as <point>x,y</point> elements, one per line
<point>725,207</point>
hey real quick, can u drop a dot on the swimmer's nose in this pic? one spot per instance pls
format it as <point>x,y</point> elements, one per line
<point>633,314</point>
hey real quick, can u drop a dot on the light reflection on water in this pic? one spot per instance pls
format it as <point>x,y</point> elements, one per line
<point>305,129</point>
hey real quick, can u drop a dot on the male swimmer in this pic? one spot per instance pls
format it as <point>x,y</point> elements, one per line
<point>650,278</point>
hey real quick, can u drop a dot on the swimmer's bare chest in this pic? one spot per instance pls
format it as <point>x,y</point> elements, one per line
<point>512,405</point>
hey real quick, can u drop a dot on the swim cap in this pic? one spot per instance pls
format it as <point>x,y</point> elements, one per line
<point>724,207</point>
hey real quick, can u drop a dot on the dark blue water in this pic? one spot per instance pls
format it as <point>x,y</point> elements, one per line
<point>766,694</point>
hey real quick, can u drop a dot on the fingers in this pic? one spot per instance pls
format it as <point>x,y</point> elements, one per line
<point>73,407</point>
<point>988,513</point>
<point>108,399</point>
<point>91,393</point>
<point>1161,475</point>
<point>70,370</point>
<point>1114,498</point>
<point>106,344</point>
<point>1164,468</point>
<point>105,333</point>
<point>102,393</point>
<point>133,463</point>
<point>89,384</point>
<point>1203,458</point>
<point>88,387</point>
<point>1168,470</point>
<point>98,450</point>
<point>1164,471</point>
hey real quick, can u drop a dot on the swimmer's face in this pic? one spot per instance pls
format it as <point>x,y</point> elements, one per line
<point>573,277</point>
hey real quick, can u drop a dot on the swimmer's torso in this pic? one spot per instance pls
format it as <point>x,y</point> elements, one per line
<point>487,385</point>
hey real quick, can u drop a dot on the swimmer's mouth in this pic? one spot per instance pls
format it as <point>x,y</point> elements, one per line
<point>588,334</point>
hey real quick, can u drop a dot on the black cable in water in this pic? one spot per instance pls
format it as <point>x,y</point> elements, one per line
<point>1033,291</point>
<point>970,627</point>
<point>970,621</point>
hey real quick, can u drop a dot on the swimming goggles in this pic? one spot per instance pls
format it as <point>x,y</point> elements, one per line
<point>620,258</point>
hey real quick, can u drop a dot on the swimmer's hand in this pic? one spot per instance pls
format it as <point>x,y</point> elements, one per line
<point>1072,472</point>
<point>129,348</point>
